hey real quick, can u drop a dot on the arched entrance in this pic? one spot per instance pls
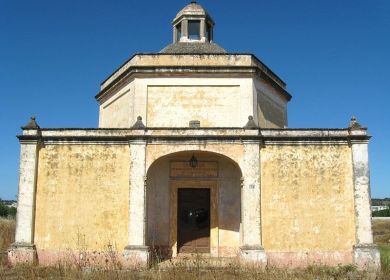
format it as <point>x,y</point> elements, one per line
<point>194,209</point>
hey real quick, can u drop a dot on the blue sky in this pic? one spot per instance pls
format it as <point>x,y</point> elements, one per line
<point>333,55</point>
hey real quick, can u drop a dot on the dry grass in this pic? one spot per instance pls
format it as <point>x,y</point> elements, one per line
<point>177,272</point>
<point>381,230</point>
<point>196,271</point>
<point>7,235</point>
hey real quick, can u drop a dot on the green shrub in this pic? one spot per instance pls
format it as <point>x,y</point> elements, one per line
<point>3,210</point>
<point>6,211</point>
<point>381,213</point>
<point>12,212</point>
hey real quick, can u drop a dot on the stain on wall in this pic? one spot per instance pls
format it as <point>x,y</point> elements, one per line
<point>307,198</point>
<point>176,106</point>
<point>82,197</point>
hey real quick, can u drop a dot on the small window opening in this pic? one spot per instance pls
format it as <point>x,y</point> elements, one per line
<point>178,32</point>
<point>194,29</point>
<point>208,32</point>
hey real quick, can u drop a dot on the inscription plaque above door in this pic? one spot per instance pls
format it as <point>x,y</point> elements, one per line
<point>204,169</point>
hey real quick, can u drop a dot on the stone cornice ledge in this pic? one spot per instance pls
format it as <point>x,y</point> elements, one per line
<point>152,135</point>
<point>170,70</point>
<point>136,59</point>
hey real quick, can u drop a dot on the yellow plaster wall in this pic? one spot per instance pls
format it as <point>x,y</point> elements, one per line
<point>177,105</point>
<point>270,114</point>
<point>117,112</point>
<point>307,198</point>
<point>82,197</point>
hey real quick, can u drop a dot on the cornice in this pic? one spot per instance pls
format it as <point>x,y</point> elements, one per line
<point>160,71</point>
<point>186,135</point>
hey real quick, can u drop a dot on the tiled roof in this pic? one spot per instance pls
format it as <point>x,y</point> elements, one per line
<point>193,47</point>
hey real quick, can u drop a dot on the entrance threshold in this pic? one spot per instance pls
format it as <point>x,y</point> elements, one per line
<point>198,260</point>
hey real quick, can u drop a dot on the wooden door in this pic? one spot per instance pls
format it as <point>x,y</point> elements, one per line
<point>193,218</point>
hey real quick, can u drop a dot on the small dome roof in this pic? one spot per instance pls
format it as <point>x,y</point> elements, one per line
<point>192,9</point>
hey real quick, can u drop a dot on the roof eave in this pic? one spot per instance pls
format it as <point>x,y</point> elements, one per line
<point>137,54</point>
<point>132,70</point>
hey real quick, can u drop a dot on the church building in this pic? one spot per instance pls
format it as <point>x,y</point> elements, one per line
<point>193,155</point>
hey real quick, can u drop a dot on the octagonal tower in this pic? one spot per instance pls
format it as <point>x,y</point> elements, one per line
<point>193,79</point>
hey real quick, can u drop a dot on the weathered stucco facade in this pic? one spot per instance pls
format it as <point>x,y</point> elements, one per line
<point>95,173</point>
<point>311,185</point>
<point>194,118</point>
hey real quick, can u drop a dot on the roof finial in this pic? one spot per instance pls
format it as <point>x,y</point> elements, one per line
<point>138,124</point>
<point>32,124</point>
<point>353,124</point>
<point>193,1</point>
<point>251,123</point>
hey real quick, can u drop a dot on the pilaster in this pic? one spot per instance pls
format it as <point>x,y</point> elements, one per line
<point>366,254</point>
<point>174,34</point>
<point>137,253</point>
<point>23,250</point>
<point>184,31</point>
<point>203,30</point>
<point>251,250</point>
